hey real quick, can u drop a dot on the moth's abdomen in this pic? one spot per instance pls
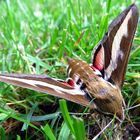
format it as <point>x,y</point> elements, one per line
<point>79,68</point>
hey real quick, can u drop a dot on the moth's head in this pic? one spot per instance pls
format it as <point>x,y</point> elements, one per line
<point>109,100</point>
<point>116,103</point>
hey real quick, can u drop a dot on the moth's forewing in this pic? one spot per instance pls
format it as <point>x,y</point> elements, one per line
<point>48,85</point>
<point>117,44</point>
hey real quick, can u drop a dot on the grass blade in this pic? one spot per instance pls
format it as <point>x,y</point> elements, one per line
<point>64,133</point>
<point>2,133</point>
<point>48,132</point>
<point>79,128</point>
<point>66,115</point>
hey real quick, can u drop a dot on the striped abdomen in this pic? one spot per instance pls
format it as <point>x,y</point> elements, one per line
<point>79,69</point>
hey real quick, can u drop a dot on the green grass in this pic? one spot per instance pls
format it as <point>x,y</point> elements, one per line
<point>36,37</point>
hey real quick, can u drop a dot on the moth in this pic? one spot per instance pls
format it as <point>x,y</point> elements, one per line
<point>97,85</point>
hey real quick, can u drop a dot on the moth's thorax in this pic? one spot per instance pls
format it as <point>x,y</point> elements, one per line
<point>106,96</point>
